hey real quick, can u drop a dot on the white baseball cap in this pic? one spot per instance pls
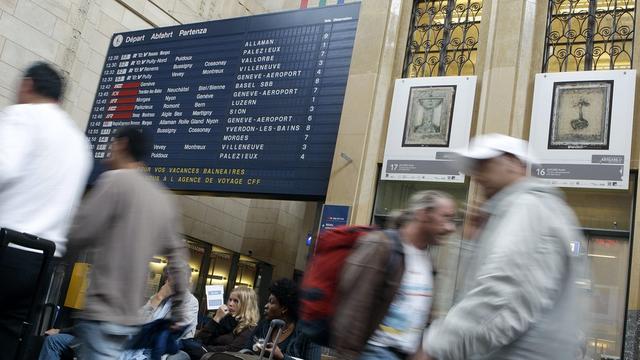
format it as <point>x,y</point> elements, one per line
<point>488,146</point>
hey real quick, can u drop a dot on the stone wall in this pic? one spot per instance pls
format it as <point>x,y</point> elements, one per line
<point>631,335</point>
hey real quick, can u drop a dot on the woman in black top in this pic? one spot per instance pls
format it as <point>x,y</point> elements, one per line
<point>229,330</point>
<point>283,305</point>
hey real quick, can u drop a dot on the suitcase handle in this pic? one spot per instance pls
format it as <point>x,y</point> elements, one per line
<point>8,236</point>
<point>275,323</point>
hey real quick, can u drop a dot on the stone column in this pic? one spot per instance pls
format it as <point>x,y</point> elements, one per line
<point>631,331</point>
<point>509,55</point>
<point>366,107</point>
<point>511,50</point>
<point>631,349</point>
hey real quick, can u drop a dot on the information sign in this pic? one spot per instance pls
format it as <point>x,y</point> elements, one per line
<point>334,216</point>
<point>244,105</point>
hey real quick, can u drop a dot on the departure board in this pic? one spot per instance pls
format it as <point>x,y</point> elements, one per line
<point>247,105</point>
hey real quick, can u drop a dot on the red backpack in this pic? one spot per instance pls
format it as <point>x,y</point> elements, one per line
<point>320,282</point>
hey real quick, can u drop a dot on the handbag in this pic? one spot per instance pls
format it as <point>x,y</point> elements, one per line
<point>193,347</point>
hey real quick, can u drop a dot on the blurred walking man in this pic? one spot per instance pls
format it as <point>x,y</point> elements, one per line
<point>126,219</point>
<point>519,296</point>
<point>386,287</point>
<point>44,165</point>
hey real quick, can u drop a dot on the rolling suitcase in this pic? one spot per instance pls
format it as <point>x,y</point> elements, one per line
<point>47,249</point>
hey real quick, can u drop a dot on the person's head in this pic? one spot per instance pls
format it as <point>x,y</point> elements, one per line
<point>184,272</point>
<point>41,83</point>
<point>495,161</point>
<point>397,218</point>
<point>243,305</point>
<point>129,148</point>
<point>429,216</point>
<point>283,301</point>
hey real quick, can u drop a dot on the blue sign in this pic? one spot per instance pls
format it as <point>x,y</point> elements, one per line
<point>246,105</point>
<point>334,216</point>
<point>575,247</point>
<point>309,239</point>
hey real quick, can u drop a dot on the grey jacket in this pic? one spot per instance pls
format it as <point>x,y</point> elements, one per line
<point>519,295</point>
<point>126,219</point>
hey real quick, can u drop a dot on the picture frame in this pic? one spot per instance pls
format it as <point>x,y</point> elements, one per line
<point>599,155</point>
<point>429,116</point>
<point>411,155</point>
<point>581,115</point>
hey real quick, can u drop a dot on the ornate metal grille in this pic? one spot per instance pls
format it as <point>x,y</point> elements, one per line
<point>589,35</point>
<point>443,38</point>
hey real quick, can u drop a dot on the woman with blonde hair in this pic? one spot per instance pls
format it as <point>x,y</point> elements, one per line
<point>230,329</point>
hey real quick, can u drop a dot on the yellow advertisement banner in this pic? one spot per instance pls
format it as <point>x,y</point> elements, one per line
<point>78,286</point>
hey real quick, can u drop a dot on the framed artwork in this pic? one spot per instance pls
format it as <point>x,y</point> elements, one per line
<point>581,115</point>
<point>428,117</point>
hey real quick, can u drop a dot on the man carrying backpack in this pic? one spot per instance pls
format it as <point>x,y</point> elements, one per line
<point>386,286</point>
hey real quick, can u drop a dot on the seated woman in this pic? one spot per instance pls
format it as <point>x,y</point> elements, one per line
<point>58,344</point>
<point>233,324</point>
<point>283,305</point>
<point>230,329</point>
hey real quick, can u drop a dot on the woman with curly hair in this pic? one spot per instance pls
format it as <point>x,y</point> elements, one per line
<point>292,344</point>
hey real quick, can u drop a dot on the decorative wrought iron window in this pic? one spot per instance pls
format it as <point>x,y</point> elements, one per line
<point>589,35</point>
<point>443,38</point>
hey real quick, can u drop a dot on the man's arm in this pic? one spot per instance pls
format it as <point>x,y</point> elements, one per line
<point>15,141</point>
<point>238,343</point>
<point>360,283</point>
<point>519,280</point>
<point>192,307</point>
<point>178,268</point>
<point>150,311</point>
<point>96,212</point>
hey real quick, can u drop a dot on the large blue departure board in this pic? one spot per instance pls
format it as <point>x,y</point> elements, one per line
<point>247,105</point>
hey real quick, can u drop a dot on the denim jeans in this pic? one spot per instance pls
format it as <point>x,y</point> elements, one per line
<point>372,352</point>
<point>102,340</point>
<point>56,345</point>
<point>180,355</point>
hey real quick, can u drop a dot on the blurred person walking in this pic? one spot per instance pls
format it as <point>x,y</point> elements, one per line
<point>126,219</point>
<point>386,286</point>
<point>44,164</point>
<point>59,342</point>
<point>518,300</point>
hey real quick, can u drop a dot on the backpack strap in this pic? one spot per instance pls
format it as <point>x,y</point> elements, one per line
<point>397,252</point>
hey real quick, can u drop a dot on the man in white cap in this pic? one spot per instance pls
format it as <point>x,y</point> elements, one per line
<point>518,299</point>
